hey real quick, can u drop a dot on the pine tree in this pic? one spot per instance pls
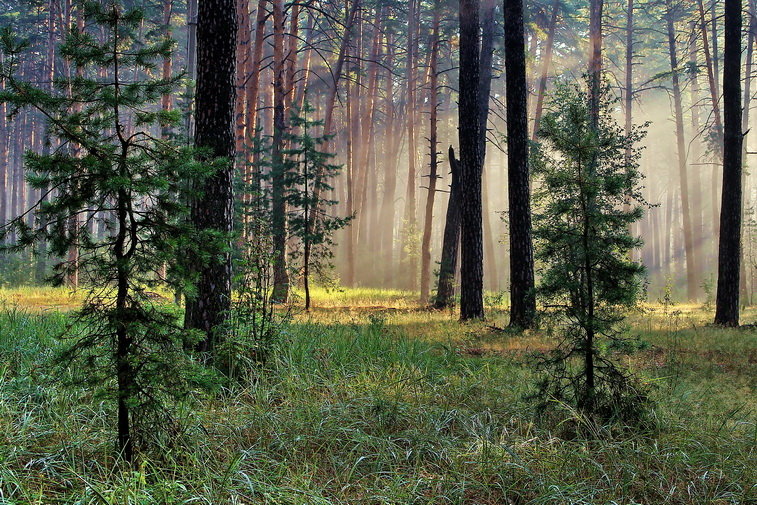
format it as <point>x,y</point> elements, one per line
<point>112,161</point>
<point>307,176</point>
<point>588,195</point>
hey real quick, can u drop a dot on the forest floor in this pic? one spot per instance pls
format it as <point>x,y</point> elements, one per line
<point>372,399</point>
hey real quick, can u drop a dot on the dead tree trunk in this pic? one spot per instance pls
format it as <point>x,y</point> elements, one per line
<point>433,159</point>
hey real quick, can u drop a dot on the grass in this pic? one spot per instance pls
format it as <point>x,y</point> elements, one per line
<point>372,400</point>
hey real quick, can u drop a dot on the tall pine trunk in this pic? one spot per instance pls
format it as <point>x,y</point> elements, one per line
<point>433,160</point>
<point>471,233</point>
<point>522,295</point>
<point>729,251</point>
<point>692,268</point>
<point>213,210</point>
<point>451,240</point>
<point>278,170</point>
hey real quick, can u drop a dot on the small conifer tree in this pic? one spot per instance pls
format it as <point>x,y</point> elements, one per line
<point>112,165</point>
<point>587,196</point>
<point>309,217</point>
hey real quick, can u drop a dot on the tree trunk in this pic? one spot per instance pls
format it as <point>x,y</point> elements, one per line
<point>433,159</point>
<point>391,143</point>
<point>278,170</point>
<point>471,235</point>
<point>488,26</point>
<point>191,65</point>
<point>751,32</point>
<point>546,62</point>
<point>695,168</point>
<point>729,252</point>
<point>451,240</point>
<point>692,267</point>
<point>242,56</point>
<point>410,226</point>
<point>522,295</point>
<point>214,131</point>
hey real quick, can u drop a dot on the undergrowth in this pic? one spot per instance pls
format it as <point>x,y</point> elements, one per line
<point>395,406</point>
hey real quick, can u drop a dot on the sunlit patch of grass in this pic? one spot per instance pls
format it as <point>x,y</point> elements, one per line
<point>41,299</point>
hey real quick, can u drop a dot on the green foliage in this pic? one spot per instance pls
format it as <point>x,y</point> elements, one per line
<point>308,177</point>
<point>110,164</point>
<point>307,174</point>
<point>255,325</point>
<point>587,196</point>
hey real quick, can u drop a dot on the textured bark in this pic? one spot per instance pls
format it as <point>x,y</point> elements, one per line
<point>745,274</point>
<point>692,268</point>
<point>214,132</point>
<point>729,252</point>
<point>278,201</point>
<point>451,240</point>
<point>191,64</point>
<point>522,294</point>
<point>471,234</point>
<point>433,99</point>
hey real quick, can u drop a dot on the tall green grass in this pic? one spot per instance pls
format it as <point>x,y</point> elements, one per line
<point>388,408</point>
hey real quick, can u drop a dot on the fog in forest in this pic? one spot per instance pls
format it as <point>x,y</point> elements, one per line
<point>375,70</point>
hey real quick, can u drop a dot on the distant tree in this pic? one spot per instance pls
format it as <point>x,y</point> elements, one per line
<point>278,168</point>
<point>729,253</point>
<point>433,106</point>
<point>692,267</point>
<point>522,296</point>
<point>588,195</point>
<point>308,214</point>
<point>125,343</point>
<point>471,233</point>
<point>212,212</point>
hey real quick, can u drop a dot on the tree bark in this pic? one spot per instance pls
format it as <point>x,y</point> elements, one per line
<point>745,297</point>
<point>488,26</point>
<point>451,240</point>
<point>471,234</point>
<point>214,131</point>
<point>278,170</point>
<point>408,262</point>
<point>522,294</point>
<point>729,252</point>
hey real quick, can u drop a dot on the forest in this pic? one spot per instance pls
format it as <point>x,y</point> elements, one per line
<point>378,252</point>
